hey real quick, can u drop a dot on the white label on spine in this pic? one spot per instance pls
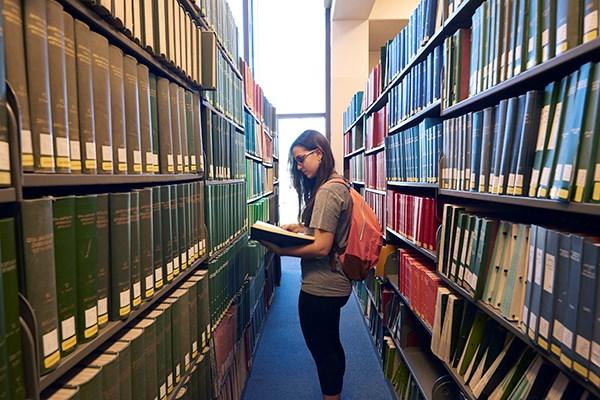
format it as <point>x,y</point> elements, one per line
<point>170,380</point>
<point>582,346</point>
<point>557,331</point>
<point>187,359</point>
<point>179,160</point>
<point>102,306</point>
<point>596,354</point>
<point>176,263</point>
<point>183,258</point>
<point>549,268</point>
<point>107,154</point>
<point>559,170</point>
<point>545,37</point>
<point>149,282</point>
<point>193,158</point>
<point>178,370</point>
<point>561,34</point>
<point>62,147</point>
<point>194,347</point>
<point>163,390</point>
<point>137,157</point>
<point>68,327</point>
<point>532,320</point>
<point>149,158</point>
<point>158,274</point>
<point>46,146</point>
<point>170,268</point>
<point>50,342</point>
<point>4,156</point>
<point>567,337</point>
<point>590,22</point>
<point>170,159</point>
<point>90,151</point>
<point>581,177</point>
<point>26,144</point>
<point>544,325</point>
<point>137,289</point>
<point>75,150</point>
<point>122,154</point>
<point>567,171</point>
<point>124,298</point>
<point>91,317</point>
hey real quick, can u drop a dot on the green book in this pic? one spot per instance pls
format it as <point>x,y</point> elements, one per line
<point>58,85</point>
<point>176,345</point>
<point>120,291</point>
<point>16,73</point>
<point>38,260</point>
<point>8,268</point>
<point>167,311</point>
<point>197,126</point>
<point>134,257</point>
<point>183,304</point>
<point>157,257</point>
<point>87,379</point>
<point>191,287</point>
<point>109,366</point>
<point>571,133</point>
<point>85,97</point>
<point>166,158</point>
<point>138,362</point>
<point>36,37</point>
<point>182,227</point>
<point>154,123</point>
<point>585,178</point>
<point>102,106</point>
<point>505,148</point>
<point>4,377</point>
<point>117,102</point>
<point>132,119</point>
<point>167,233</point>
<point>150,360</point>
<point>123,351</point>
<point>550,153</point>
<point>189,123</point>
<point>175,230</point>
<point>144,118</point>
<point>160,319</point>
<point>568,25</point>
<point>72,101</point>
<point>473,341</point>
<point>87,267</point>
<point>63,215</point>
<point>175,128</point>
<point>146,237</point>
<point>103,257</point>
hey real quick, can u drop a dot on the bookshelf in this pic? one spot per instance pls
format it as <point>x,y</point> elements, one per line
<point>212,108</point>
<point>427,253</point>
<point>65,180</point>
<point>374,150</point>
<point>417,185</point>
<point>431,111</point>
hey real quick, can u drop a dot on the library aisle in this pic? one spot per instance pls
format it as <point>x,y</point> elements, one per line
<point>283,367</point>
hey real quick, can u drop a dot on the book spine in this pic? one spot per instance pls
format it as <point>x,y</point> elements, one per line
<point>150,361</point>
<point>183,129</point>
<point>38,260</point>
<point>157,238</point>
<point>63,210</point>
<point>103,258</point>
<point>58,86</point>
<point>175,230</point>
<point>71,94</point>
<point>182,227</point>
<point>132,118</point>
<point>120,244</point>
<point>135,259</point>
<point>8,267</point>
<point>117,102</point>
<point>154,123</point>
<point>145,122</point>
<point>561,293</point>
<point>87,267</point>
<point>146,238</point>
<point>167,233</point>
<point>175,128</point>
<point>167,165</point>
<point>102,107</point>
<point>190,131</point>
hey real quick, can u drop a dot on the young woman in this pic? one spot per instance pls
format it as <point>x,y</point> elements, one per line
<point>326,210</point>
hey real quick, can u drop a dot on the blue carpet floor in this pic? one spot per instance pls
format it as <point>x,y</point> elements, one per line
<point>284,369</point>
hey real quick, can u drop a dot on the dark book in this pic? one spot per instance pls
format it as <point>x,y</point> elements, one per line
<point>191,287</point>
<point>150,360</point>
<point>176,344</point>
<point>161,29</point>
<point>102,106</point>
<point>36,37</point>
<point>58,86</point>
<point>16,74</point>
<point>38,260</point>
<point>166,159</point>
<point>103,257</point>
<point>506,147</point>
<point>123,351</point>
<point>167,233</point>
<point>120,243</point>
<point>568,25</point>
<point>586,182</point>
<point>548,29</point>
<point>160,319</point>
<point>10,283</point>
<point>63,215</point>
<point>154,122</point>
<point>72,98</point>
<point>87,267</point>
<point>166,310</point>
<point>543,135</point>
<point>157,238</point>
<point>85,97</point>
<point>117,103</point>
<point>183,129</point>
<point>134,257</point>
<point>175,127</point>
<point>541,309</point>
<point>190,132</point>
<point>561,289</point>
<point>132,118</point>
<point>109,366</point>
<point>138,362</point>
<point>487,139</point>
<point>87,379</point>
<point>146,238</point>
<point>145,122</point>
<point>147,15</point>
<point>175,230</point>
<point>209,60</point>
<point>182,227</point>
<point>270,233</point>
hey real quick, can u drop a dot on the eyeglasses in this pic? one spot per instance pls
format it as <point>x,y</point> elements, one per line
<point>302,157</point>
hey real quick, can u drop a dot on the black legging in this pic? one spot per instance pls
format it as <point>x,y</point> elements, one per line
<point>320,323</point>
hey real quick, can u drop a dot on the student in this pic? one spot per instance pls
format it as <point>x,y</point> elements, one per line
<point>326,211</point>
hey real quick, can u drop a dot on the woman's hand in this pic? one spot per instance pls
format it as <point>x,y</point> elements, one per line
<point>296,228</point>
<point>272,247</point>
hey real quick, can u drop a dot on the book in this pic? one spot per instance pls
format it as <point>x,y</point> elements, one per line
<point>120,243</point>
<point>117,102</point>
<point>132,117</point>
<point>279,236</point>
<point>103,257</point>
<point>102,107</point>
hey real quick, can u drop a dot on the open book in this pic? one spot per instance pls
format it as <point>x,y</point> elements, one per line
<point>274,234</point>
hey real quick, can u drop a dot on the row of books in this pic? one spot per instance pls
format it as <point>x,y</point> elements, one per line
<point>427,18</point>
<point>456,76</point>
<point>413,217</point>
<point>354,139</point>
<point>374,171</point>
<point>419,88</point>
<point>413,155</point>
<point>353,111</point>
<point>224,147</point>
<point>373,87</point>
<point>489,360</point>
<point>219,17</point>
<point>377,203</point>
<point>259,211</point>
<point>258,142</point>
<point>228,95</point>
<point>259,179</point>
<point>103,255</point>
<point>356,171</point>
<point>418,283</point>
<point>150,357</point>
<point>376,128</point>
<point>94,110</point>
<point>256,100</point>
<point>541,144</point>
<point>397,372</point>
<point>225,206</point>
<point>540,278</point>
<point>509,37</point>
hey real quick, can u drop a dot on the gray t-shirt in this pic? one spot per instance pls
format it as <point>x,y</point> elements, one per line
<point>331,213</point>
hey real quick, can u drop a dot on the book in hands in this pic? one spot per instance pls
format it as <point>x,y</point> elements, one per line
<point>279,236</point>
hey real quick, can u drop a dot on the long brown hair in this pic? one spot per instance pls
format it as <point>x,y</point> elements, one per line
<point>305,187</point>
